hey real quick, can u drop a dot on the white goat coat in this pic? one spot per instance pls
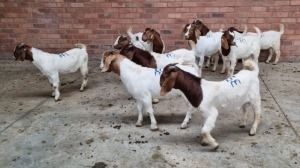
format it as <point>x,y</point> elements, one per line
<point>67,62</point>
<point>246,46</point>
<point>208,45</point>
<point>177,56</point>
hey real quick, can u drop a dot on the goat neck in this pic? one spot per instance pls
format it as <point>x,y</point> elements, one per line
<point>189,84</point>
<point>158,45</point>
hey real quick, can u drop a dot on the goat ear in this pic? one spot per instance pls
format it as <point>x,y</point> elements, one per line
<point>22,44</point>
<point>224,42</point>
<point>197,33</point>
<point>107,62</point>
<point>168,84</point>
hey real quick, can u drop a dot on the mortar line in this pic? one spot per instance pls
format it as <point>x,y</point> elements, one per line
<point>294,130</point>
<point>39,104</point>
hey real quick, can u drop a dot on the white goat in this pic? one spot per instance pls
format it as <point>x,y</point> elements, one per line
<point>141,82</point>
<point>206,45</point>
<point>270,40</point>
<point>136,39</point>
<point>238,48</point>
<point>53,64</point>
<point>240,90</point>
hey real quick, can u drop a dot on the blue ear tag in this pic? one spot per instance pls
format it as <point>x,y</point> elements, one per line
<point>157,71</point>
<point>233,81</point>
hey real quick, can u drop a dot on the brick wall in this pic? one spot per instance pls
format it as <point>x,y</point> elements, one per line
<point>56,25</point>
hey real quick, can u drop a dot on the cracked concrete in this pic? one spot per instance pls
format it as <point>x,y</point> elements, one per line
<point>97,126</point>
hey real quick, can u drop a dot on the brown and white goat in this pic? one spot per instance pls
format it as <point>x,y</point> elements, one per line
<point>142,83</point>
<point>240,90</point>
<point>152,36</point>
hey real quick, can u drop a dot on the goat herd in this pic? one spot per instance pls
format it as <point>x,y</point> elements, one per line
<point>148,73</point>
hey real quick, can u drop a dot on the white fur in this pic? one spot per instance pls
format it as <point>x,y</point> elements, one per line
<point>270,40</point>
<point>246,46</point>
<point>137,41</point>
<point>51,65</point>
<point>181,56</point>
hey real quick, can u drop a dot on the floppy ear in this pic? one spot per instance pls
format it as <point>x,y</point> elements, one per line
<point>198,31</point>
<point>107,61</point>
<point>224,42</point>
<point>168,84</point>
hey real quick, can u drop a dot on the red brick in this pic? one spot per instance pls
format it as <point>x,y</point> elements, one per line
<point>295,2</point>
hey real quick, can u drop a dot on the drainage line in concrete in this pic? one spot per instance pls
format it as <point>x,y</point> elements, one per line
<point>294,130</point>
<point>27,113</point>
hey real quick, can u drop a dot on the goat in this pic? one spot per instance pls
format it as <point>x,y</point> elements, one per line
<point>238,48</point>
<point>151,36</point>
<point>270,40</point>
<point>239,90</point>
<point>122,40</point>
<point>206,45</point>
<point>141,82</point>
<point>52,65</point>
<point>136,39</point>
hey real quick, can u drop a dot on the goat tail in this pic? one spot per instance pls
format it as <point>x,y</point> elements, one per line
<point>129,32</point>
<point>81,46</point>
<point>245,29</point>
<point>251,65</point>
<point>257,31</point>
<point>193,46</point>
<point>281,27</point>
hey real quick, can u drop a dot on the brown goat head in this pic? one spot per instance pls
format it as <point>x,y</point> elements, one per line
<point>227,41</point>
<point>122,41</point>
<point>108,58</point>
<point>23,52</point>
<point>192,32</point>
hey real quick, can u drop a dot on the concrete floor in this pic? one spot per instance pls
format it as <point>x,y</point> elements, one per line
<point>97,127</point>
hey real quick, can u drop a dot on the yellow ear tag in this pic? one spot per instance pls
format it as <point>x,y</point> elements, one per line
<point>222,40</point>
<point>151,36</point>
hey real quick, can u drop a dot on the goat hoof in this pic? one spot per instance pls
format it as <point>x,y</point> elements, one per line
<point>155,101</point>
<point>215,148</point>
<point>204,144</point>
<point>183,126</point>
<point>138,124</point>
<point>274,63</point>
<point>58,99</point>
<point>213,70</point>
<point>242,126</point>
<point>153,128</point>
<point>266,62</point>
<point>252,133</point>
<point>222,72</point>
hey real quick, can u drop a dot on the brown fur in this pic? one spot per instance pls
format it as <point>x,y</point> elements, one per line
<point>23,52</point>
<point>139,56</point>
<point>112,61</point>
<point>123,41</point>
<point>190,85</point>
<point>153,36</point>
<point>204,29</point>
